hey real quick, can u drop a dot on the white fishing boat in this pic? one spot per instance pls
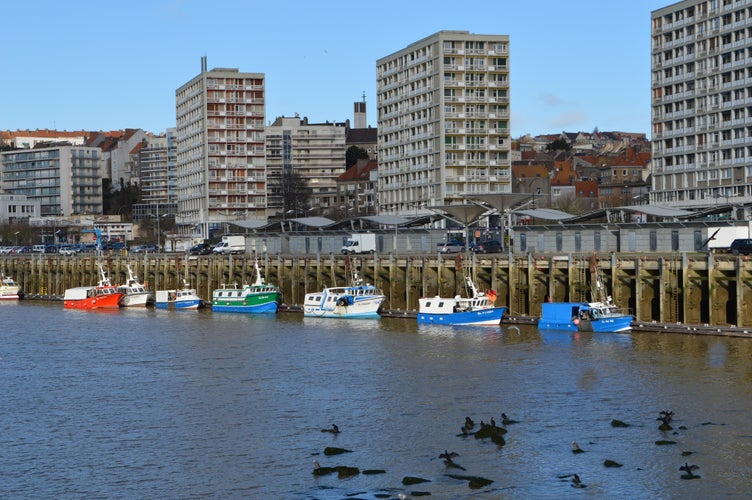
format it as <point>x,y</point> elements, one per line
<point>9,289</point>
<point>135,293</point>
<point>357,301</point>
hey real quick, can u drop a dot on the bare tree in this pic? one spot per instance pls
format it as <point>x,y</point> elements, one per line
<point>292,191</point>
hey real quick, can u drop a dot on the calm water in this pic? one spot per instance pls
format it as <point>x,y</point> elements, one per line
<point>162,404</point>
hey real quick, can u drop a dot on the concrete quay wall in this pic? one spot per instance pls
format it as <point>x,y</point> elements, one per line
<point>685,288</point>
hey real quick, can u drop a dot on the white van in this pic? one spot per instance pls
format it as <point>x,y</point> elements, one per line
<point>38,248</point>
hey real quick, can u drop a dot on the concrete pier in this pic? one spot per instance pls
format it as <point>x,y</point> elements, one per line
<point>678,288</point>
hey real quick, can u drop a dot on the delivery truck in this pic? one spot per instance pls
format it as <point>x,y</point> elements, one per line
<point>230,245</point>
<point>360,243</point>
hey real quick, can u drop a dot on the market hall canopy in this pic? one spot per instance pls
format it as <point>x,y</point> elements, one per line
<point>503,201</point>
<point>464,214</point>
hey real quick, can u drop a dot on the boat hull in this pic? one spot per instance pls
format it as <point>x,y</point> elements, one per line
<point>483,317</point>
<point>365,309</point>
<point>607,325</point>
<point>106,302</point>
<point>179,305</point>
<point>262,303</point>
<point>263,308</point>
<point>10,295</point>
<point>135,299</point>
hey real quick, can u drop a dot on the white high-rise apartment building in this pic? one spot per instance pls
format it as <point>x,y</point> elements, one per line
<point>220,159</point>
<point>313,151</point>
<point>443,121</point>
<point>702,103</point>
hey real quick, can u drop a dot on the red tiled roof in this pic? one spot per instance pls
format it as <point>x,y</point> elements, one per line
<point>360,171</point>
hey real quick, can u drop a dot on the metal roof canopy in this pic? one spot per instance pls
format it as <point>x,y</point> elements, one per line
<point>464,214</point>
<point>657,210</point>
<point>546,214</point>
<point>387,220</point>
<point>317,222</point>
<point>251,223</point>
<point>503,201</point>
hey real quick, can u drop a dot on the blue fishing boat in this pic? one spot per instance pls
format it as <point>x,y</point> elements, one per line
<point>600,316</point>
<point>475,309</point>
<point>184,298</point>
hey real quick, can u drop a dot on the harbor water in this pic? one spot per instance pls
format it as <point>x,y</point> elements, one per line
<point>141,403</point>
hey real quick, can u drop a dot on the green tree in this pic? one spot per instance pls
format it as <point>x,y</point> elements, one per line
<point>353,154</point>
<point>558,145</point>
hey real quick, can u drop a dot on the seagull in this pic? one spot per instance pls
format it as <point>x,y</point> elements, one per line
<point>576,482</point>
<point>316,465</point>
<point>576,448</point>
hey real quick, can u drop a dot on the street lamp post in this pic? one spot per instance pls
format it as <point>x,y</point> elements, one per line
<point>16,235</point>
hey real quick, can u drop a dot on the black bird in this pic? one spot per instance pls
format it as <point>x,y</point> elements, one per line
<point>689,469</point>
<point>449,455</point>
<point>469,424</point>
<point>576,482</point>
<point>333,430</point>
<point>449,463</point>
<point>493,422</point>
<point>506,420</point>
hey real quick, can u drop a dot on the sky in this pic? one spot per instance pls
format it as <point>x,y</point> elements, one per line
<point>85,65</point>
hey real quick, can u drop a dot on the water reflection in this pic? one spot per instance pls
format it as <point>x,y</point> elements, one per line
<point>183,404</point>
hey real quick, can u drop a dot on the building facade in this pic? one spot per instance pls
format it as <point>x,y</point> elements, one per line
<point>443,121</point>
<point>17,208</point>
<point>221,167</point>
<point>156,168</point>
<point>315,152</point>
<point>65,180</point>
<point>702,103</point>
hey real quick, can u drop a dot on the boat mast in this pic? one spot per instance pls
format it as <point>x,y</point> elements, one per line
<point>597,286</point>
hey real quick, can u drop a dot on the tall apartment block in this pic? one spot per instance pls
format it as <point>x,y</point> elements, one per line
<point>64,180</point>
<point>220,153</point>
<point>156,163</point>
<point>702,103</point>
<point>315,152</point>
<point>443,121</point>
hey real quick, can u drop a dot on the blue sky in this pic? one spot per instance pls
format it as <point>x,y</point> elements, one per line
<point>112,65</point>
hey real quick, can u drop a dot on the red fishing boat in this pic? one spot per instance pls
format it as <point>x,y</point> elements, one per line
<point>102,296</point>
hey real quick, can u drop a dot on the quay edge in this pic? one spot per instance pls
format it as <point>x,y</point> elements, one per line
<point>674,288</point>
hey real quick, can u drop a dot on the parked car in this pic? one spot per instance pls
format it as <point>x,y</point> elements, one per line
<point>488,246</point>
<point>201,249</point>
<point>145,248</point>
<point>68,250</point>
<point>451,246</point>
<point>741,246</point>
